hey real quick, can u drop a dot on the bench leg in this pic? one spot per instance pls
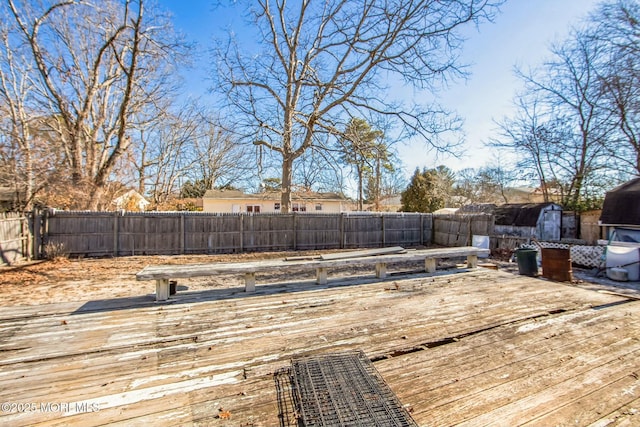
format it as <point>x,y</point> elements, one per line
<point>321,276</point>
<point>472,261</point>
<point>249,282</point>
<point>430,265</point>
<point>381,270</point>
<point>162,289</point>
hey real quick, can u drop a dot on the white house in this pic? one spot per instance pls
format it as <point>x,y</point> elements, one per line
<point>131,201</point>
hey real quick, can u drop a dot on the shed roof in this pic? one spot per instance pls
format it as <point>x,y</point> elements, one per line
<point>622,204</point>
<point>520,214</point>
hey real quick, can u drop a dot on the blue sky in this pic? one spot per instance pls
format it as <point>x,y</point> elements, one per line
<point>520,35</point>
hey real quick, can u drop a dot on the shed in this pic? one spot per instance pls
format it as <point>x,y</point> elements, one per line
<point>621,212</point>
<point>542,221</point>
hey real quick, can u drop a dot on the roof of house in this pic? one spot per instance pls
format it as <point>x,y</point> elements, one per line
<point>271,195</point>
<point>446,211</point>
<point>478,208</point>
<point>622,204</point>
<point>131,194</point>
<point>519,214</point>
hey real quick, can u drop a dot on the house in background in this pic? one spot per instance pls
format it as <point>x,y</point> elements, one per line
<point>236,201</point>
<point>131,201</point>
<point>620,216</point>
<point>11,199</point>
<point>386,204</point>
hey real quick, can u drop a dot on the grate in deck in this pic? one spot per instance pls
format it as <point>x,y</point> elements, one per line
<point>344,389</point>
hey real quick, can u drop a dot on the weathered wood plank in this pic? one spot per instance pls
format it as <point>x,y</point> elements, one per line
<point>197,270</point>
<point>363,253</point>
<point>178,363</point>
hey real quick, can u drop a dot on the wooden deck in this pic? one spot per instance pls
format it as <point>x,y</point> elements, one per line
<point>474,348</point>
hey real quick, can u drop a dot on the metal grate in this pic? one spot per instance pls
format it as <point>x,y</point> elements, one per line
<point>344,389</point>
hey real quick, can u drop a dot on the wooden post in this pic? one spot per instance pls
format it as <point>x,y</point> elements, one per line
<point>381,270</point>
<point>341,230</point>
<point>430,265</point>
<point>472,261</point>
<point>115,233</point>
<point>182,233</point>
<point>321,276</point>
<point>384,237</point>
<point>295,232</point>
<point>37,237</point>
<point>241,232</point>
<point>162,289</point>
<point>249,282</point>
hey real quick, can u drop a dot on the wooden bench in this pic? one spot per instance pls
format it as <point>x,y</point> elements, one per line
<point>163,273</point>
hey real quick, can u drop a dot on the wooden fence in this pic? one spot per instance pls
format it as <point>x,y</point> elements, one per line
<point>14,238</point>
<point>458,230</point>
<point>88,233</point>
<point>155,233</point>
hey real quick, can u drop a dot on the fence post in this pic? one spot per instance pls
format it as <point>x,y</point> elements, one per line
<point>295,232</point>
<point>384,231</point>
<point>421,229</point>
<point>241,232</point>
<point>115,233</point>
<point>341,230</point>
<point>37,238</point>
<point>182,233</point>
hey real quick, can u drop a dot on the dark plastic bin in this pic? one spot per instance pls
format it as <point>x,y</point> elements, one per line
<point>527,262</point>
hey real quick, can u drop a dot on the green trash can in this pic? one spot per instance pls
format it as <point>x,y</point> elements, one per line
<point>527,262</point>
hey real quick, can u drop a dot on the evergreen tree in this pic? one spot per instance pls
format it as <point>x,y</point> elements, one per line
<point>424,193</point>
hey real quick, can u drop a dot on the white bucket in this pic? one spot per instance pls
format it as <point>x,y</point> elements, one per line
<point>481,242</point>
<point>626,258</point>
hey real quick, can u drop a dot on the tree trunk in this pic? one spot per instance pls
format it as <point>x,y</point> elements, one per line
<point>97,193</point>
<point>378,179</point>
<point>287,180</point>
<point>360,195</point>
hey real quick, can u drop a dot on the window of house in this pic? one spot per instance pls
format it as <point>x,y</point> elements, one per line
<point>318,206</point>
<point>253,208</point>
<point>298,207</point>
<point>276,206</point>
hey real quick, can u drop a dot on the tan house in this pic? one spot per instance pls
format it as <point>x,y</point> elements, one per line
<point>235,201</point>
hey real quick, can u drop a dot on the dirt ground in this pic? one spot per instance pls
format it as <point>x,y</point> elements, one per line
<point>68,280</point>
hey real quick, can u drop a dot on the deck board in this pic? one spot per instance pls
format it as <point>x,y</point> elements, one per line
<point>482,347</point>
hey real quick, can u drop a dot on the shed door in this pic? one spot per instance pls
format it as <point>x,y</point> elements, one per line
<point>551,222</point>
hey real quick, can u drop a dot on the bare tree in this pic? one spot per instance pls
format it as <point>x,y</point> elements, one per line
<point>487,184</point>
<point>96,65</point>
<point>184,144</point>
<point>324,62</point>
<point>158,156</point>
<point>614,25</point>
<point>217,157</point>
<point>17,145</point>
<point>561,127</point>
<point>319,170</point>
